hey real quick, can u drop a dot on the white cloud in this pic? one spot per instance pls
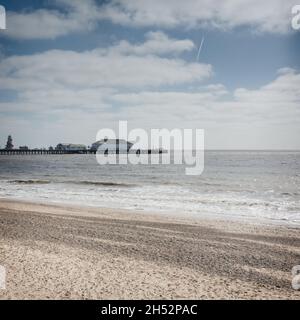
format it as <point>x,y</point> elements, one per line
<point>112,67</point>
<point>282,91</point>
<point>157,43</point>
<point>78,16</point>
<point>266,16</point>
<point>61,80</point>
<point>275,103</point>
<point>268,117</point>
<point>81,16</point>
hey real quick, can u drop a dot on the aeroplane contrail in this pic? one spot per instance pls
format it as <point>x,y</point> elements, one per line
<point>200,48</point>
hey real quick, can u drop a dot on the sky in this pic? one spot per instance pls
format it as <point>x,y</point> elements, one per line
<point>69,68</point>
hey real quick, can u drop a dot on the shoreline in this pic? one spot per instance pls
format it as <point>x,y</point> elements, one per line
<point>71,252</point>
<point>168,215</point>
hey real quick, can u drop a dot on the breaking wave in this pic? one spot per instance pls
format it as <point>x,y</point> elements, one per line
<point>103,183</point>
<point>30,181</point>
<point>85,182</point>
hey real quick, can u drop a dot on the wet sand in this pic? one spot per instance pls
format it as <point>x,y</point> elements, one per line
<point>65,252</point>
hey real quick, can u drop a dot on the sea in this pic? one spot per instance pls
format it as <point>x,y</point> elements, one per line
<point>250,185</point>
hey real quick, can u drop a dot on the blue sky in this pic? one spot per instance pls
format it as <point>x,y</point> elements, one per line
<point>49,87</point>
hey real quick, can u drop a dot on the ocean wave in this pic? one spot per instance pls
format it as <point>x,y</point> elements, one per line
<point>30,181</point>
<point>85,182</point>
<point>290,194</point>
<point>103,183</point>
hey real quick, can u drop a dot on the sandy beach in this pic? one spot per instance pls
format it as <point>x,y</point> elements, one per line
<point>61,252</point>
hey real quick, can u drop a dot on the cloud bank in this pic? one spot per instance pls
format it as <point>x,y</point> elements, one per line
<point>76,16</point>
<point>135,82</point>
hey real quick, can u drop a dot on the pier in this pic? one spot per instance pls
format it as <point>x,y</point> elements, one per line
<point>66,152</point>
<point>104,146</point>
<point>35,152</point>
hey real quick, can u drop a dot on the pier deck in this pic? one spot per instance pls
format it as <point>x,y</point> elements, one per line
<point>60,152</point>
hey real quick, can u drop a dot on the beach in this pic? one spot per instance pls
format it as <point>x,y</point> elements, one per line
<point>72,252</point>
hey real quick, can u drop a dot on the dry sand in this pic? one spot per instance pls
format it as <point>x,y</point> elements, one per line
<point>60,252</point>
